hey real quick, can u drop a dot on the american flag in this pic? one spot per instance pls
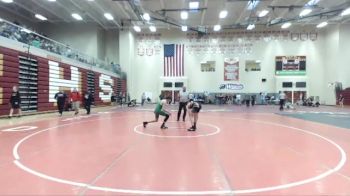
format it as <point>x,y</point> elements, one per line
<point>174,60</point>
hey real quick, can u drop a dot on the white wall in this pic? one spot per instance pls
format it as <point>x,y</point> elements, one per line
<point>336,60</point>
<point>127,62</point>
<point>89,39</point>
<point>112,46</point>
<point>146,71</point>
<point>328,60</point>
<point>344,55</point>
<point>79,36</point>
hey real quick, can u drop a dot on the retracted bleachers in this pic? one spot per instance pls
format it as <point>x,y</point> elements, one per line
<point>43,86</point>
<point>124,87</point>
<point>39,79</point>
<point>346,95</point>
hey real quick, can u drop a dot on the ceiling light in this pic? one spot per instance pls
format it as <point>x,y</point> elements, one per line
<point>305,12</point>
<point>7,1</point>
<point>184,28</point>
<point>90,0</point>
<point>223,14</point>
<point>109,16</point>
<point>137,28</point>
<point>40,17</point>
<point>345,12</point>
<point>184,15</point>
<point>251,27</point>
<point>152,28</point>
<point>252,4</point>
<point>194,5</point>
<point>263,13</point>
<point>77,16</point>
<point>286,25</point>
<point>52,0</point>
<point>217,28</point>
<point>1,20</point>
<point>322,24</point>
<point>146,16</point>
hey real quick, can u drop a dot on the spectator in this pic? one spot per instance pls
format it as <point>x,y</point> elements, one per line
<point>88,101</point>
<point>15,102</point>
<point>113,99</point>
<point>61,100</point>
<point>36,42</point>
<point>238,99</point>
<point>282,97</point>
<point>341,100</point>
<point>247,100</point>
<point>75,99</point>
<point>143,98</point>
<point>253,100</point>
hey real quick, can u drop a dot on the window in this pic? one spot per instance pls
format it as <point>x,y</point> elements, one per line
<point>208,66</point>
<point>287,84</point>
<point>179,84</point>
<point>300,84</point>
<point>252,65</point>
<point>167,84</point>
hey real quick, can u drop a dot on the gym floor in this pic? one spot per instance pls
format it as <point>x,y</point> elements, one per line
<point>235,151</point>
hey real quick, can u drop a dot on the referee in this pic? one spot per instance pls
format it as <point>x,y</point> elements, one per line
<point>182,105</point>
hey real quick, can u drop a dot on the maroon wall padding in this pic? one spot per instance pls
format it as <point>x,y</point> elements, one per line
<point>8,52</point>
<point>10,71</point>
<point>124,87</point>
<point>98,100</point>
<point>115,87</point>
<point>10,78</point>
<point>43,85</point>
<point>83,73</point>
<point>346,95</point>
<point>66,71</point>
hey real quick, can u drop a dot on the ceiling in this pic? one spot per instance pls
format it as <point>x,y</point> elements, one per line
<point>166,13</point>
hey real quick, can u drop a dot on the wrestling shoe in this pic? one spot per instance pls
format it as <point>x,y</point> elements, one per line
<point>145,124</point>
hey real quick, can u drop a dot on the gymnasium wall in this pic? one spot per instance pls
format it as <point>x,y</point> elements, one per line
<point>336,56</point>
<point>327,60</point>
<point>89,39</point>
<point>40,78</point>
<point>144,68</point>
<point>83,37</point>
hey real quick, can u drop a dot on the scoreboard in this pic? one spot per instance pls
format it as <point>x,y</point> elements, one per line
<point>291,65</point>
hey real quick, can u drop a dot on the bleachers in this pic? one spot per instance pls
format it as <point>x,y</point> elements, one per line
<point>346,95</point>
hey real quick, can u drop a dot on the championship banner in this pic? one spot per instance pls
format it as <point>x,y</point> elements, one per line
<point>231,69</point>
<point>291,65</point>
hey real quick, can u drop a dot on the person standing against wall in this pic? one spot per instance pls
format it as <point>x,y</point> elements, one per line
<point>88,101</point>
<point>282,97</point>
<point>75,99</point>
<point>182,104</point>
<point>113,99</point>
<point>238,99</point>
<point>341,100</point>
<point>253,97</point>
<point>247,100</point>
<point>61,100</point>
<point>15,102</point>
<point>143,98</point>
